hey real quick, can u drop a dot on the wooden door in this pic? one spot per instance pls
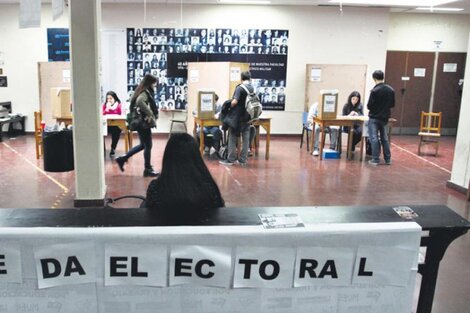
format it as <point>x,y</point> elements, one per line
<point>448,91</point>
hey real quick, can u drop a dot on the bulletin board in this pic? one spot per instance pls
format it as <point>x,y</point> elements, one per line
<point>51,74</point>
<point>344,77</point>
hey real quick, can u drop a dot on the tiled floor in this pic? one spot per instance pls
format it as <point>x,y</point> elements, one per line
<point>292,177</point>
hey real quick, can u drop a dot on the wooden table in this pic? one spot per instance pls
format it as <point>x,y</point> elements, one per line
<point>263,122</point>
<point>346,121</point>
<point>111,120</point>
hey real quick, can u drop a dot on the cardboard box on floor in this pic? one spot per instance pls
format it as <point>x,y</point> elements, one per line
<point>60,102</point>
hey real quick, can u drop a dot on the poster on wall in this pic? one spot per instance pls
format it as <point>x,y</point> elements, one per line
<point>58,44</point>
<point>165,53</point>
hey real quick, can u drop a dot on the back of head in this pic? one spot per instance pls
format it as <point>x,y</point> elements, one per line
<point>185,186</point>
<point>378,75</point>
<point>246,75</point>
<point>145,84</point>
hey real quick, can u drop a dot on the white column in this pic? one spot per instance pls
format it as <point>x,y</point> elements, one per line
<point>461,165</point>
<point>85,26</point>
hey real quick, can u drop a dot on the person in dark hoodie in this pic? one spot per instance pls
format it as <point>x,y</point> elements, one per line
<point>381,100</point>
<point>354,107</point>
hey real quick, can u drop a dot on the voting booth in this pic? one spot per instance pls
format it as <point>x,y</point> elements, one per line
<point>60,102</point>
<point>219,77</point>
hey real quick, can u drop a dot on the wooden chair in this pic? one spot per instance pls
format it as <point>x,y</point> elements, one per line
<point>429,130</point>
<point>38,134</point>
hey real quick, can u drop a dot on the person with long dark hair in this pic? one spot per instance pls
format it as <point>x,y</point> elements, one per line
<point>144,103</point>
<point>185,188</point>
<point>113,106</point>
<point>354,107</point>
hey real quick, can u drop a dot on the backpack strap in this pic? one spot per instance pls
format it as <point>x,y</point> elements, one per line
<point>246,89</point>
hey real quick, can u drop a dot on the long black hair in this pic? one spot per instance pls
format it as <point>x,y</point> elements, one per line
<point>114,95</point>
<point>354,94</point>
<point>145,84</point>
<point>185,187</point>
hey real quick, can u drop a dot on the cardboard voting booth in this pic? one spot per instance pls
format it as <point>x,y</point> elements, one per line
<point>206,104</point>
<point>327,104</point>
<point>60,102</point>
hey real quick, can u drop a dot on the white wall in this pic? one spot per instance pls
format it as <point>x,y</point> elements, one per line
<point>23,49</point>
<point>316,35</point>
<point>461,165</point>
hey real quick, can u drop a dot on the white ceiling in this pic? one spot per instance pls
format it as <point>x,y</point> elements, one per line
<point>464,4</point>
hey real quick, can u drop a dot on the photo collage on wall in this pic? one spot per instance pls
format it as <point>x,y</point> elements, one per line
<point>165,52</point>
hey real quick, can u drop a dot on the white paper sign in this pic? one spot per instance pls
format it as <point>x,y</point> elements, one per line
<point>206,102</point>
<point>10,264</point>
<point>30,13</point>
<point>315,75</point>
<point>66,76</point>
<point>323,266</point>
<point>65,264</point>
<point>420,72</point>
<point>263,267</point>
<point>450,67</point>
<point>329,103</point>
<point>142,264</point>
<point>194,76</point>
<point>235,74</point>
<point>200,265</point>
<point>384,266</point>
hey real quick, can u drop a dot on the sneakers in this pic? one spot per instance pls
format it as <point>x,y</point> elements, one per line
<point>149,172</point>
<point>316,152</point>
<point>250,153</point>
<point>120,161</point>
<point>242,164</point>
<point>373,163</point>
<point>226,162</point>
<point>389,162</point>
<point>112,153</point>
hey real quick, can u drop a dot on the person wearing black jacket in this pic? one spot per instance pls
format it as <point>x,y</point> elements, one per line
<point>354,107</point>
<point>381,100</point>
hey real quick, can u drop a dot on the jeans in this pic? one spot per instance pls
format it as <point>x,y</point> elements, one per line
<point>214,139</point>
<point>333,136</point>
<point>232,144</point>
<point>377,127</point>
<point>145,136</point>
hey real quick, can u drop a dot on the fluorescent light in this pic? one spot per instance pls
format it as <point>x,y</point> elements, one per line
<point>440,9</point>
<point>244,2</point>
<point>396,3</point>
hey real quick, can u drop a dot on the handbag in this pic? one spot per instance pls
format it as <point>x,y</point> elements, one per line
<point>135,120</point>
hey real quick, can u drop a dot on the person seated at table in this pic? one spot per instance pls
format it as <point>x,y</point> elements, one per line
<point>333,130</point>
<point>354,107</point>
<point>212,134</point>
<point>113,106</point>
<point>185,188</point>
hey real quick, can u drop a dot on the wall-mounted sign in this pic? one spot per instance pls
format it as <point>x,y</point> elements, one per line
<point>420,72</point>
<point>450,67</point>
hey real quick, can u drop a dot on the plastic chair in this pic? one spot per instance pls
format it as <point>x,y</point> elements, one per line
<point>178,116</point>
<point>429,130</point>
<point>38,134</point>
<point>305,129</point>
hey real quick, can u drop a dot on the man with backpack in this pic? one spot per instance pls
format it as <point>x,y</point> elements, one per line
<point>247,107</point>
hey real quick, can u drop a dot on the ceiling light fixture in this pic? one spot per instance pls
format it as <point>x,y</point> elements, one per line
<point>244,2</point>
<point>431,9</point>
<point>405,3</point>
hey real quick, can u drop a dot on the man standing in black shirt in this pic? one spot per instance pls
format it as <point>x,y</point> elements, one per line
<point>243,127</point>
<point>381,100</point>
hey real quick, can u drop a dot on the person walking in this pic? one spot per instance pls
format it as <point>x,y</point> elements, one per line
<point>143,102</point>
<point>381,100</point>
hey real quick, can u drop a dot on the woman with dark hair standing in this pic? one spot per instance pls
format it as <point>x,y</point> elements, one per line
<point>144,103</point>
<point>354,107</point>
<point>185,188</point>
<point>113,106</point>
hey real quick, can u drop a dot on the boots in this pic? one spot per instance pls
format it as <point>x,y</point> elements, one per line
<point>120,161</point>
<point>149,172</point>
